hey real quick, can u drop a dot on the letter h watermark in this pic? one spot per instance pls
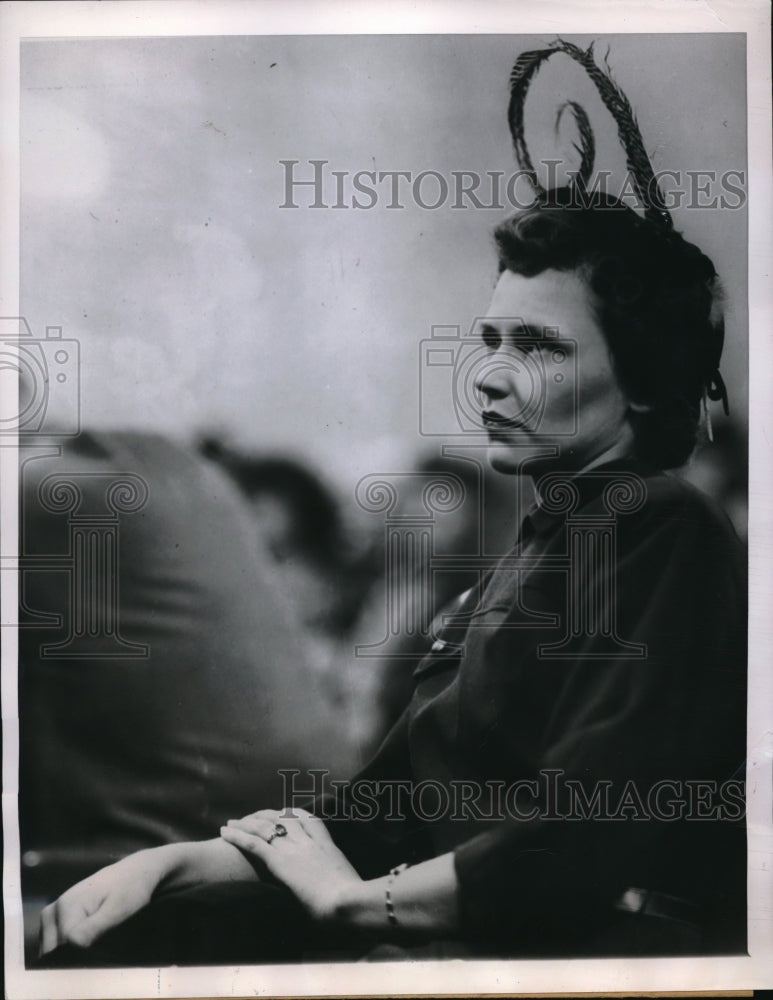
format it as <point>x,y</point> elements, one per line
<point>93,503</point>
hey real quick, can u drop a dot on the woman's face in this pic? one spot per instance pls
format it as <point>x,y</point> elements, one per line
<point>548,387</point>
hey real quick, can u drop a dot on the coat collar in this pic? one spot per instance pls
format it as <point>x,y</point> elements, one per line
<point>540,521</point>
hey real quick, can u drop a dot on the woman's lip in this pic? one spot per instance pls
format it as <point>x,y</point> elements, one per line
<point>496,424</point>
<point>503,434</point>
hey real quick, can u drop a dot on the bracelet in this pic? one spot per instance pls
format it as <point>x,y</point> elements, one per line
<point>390,908</point>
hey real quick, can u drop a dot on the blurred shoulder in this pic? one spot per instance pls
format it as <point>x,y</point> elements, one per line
<point>682,526</point>
<point>670,497</point>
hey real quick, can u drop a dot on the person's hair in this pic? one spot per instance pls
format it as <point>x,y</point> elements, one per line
<point>319,532</point>
<point>316,525</point>
<point>657,300</point>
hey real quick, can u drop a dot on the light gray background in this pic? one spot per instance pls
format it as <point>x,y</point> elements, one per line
<point>152,233</point>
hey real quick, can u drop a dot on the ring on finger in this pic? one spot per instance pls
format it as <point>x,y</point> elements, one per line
<point>278,831</point>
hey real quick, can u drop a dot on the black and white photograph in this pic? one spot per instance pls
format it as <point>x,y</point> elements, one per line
<point>386,519</point>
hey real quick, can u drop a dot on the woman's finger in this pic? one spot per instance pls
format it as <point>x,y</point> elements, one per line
<point>113,911</point>
<point>49,932</point>
<point>271,814</point>
<point>268,830</point>
<point>247,842</point>
<point>86,930</point>
<point>298,816</point>
<point>314,826</point>
<point>254,827</point>
<point>81,914</point>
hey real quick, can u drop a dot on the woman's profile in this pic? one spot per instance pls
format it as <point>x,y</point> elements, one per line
<point>565,780</point>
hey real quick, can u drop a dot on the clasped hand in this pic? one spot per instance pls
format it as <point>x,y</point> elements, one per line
<point>297,849</point>
<point>303,857</point>
<point>101,901</point>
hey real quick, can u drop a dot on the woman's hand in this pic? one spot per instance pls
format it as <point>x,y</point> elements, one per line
<point>100,902</point>
<point>297,849</point>
<point>115,893</point>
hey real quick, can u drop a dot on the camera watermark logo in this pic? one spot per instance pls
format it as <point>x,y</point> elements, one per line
<point>48,373</point>
<point>41,402</point>
<point>455,371</point>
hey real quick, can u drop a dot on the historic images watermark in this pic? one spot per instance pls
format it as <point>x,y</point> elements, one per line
<point>313,183</point>
<point>551,795</point>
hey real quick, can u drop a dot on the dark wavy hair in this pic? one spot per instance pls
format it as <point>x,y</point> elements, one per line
<point>657,300</point>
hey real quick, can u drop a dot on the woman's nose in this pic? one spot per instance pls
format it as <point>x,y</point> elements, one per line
<point>491,379</point>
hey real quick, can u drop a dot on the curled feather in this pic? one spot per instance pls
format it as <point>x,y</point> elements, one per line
<point>525,69</point>
<point>587,147</point>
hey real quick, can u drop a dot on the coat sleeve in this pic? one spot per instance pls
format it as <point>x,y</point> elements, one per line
<point>365,816</point>
<point>619,729</point>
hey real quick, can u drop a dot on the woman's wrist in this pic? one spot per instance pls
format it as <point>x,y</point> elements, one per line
<point>192,864</point>
<point>164,864</point>
<point>360,904</point>
<point>423,898</point>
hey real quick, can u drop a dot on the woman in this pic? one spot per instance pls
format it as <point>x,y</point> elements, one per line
<point>581,719</point>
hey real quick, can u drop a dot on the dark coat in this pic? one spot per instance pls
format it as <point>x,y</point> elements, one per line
<point>601,665</point>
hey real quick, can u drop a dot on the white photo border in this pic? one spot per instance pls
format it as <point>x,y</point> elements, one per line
<point>20,20</point>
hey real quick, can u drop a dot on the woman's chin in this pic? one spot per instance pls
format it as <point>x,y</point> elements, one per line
<point>512,459</point>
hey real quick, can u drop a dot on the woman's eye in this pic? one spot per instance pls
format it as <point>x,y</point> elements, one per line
<point>491,338</point>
